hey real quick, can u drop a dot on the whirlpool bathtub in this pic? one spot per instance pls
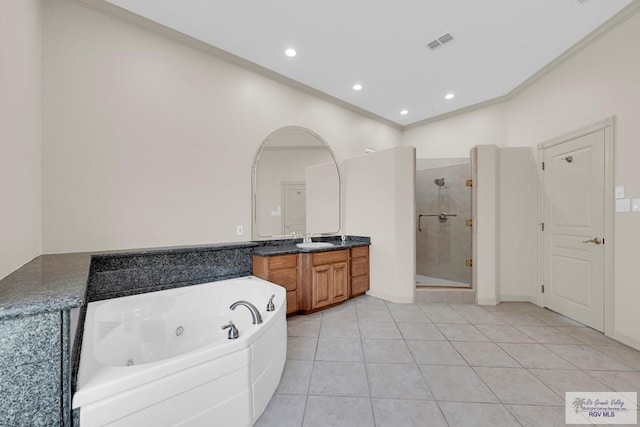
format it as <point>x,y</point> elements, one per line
<point>163,359</point>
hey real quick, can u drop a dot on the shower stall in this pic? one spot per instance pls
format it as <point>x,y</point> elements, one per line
<point>443,218</point>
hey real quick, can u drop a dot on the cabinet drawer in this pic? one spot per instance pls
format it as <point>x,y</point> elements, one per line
<point>360,251</point>
<point>330,257</point>
<point>359,266</point>
<point>292,302</point>
<point>287,278</point>
<point>359,285</point>
<point>283,261</point>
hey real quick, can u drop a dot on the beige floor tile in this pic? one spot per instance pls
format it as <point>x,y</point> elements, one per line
<point>588,358</point>
<point>301,348</point>
<point>339,379</point>
<point>586,335</point>
<point>410,316</point>
<point>339,350</point>
<point>454,332</point>
<point>381,330</point>
<point>477,415</point>
<point>504,333</point>
<point>407,413</point>
<point>299,326</point>
<point>336,327</point>
<point>516,385</point>
<point>324,411</point>
<point>562,381</point>
<point>420,331</point>
<point>295,377</point>
<point>386,351</point>
<point>435,353</point>
<point>535,416</point>
<point>536,356</point>
<point>397,381</point>
<point>456,384</point>
<point>622,353</point>
<point>485,354</point>
<point>547,335</point>
<point>284,410</point>
<point>619,381</point>
<point>446,317</point>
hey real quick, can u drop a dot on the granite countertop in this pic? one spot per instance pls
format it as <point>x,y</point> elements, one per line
<point>291,248</point>
<point>47,283</point>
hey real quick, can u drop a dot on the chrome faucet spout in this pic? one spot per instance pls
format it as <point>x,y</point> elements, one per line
<point>255,314</point>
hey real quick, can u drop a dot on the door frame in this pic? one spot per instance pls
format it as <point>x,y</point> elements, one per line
<point>608,125</point>
<point>283,198</point>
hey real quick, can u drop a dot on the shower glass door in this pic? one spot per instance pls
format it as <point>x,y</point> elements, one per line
<point>443,234</point>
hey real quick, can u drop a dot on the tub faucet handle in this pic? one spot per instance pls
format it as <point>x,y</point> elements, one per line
<point>270,305</point>
<point>232,334</point>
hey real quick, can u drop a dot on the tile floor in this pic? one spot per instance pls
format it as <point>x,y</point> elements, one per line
<point>373,363</point>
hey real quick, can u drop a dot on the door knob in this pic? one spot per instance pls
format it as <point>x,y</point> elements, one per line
<point>595,240</point>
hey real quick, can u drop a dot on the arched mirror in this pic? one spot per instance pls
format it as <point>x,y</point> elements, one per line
<point>296,185</point>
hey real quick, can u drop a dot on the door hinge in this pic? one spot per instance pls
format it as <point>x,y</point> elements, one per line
<point>543,289</point>
<point>542,226</point>
<point>469,183</point>
<point>470,223</point>
<point>542,165</point>
<point>603,241</point>
<point>469,262</point>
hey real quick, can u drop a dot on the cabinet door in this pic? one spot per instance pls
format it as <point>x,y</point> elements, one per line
<point>340,282</point>
<point>321,288</point>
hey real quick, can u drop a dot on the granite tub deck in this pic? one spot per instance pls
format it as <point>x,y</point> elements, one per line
<point>37,302</point>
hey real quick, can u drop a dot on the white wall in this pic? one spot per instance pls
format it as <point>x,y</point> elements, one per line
<point>20,137</point>
<point>457,134</point>
<point>150,142</point>
<point>485,161</point>
<point>518,213</point>
<point>599,81</point>
<point>380,203</point>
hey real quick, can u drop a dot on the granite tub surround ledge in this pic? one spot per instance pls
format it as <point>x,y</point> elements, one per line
<point>37,302</point>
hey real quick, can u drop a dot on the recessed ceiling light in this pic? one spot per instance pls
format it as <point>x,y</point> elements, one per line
<point>449,96</point>
<point>404,112</point>
<point>357,86</point>
<point>290,52</point>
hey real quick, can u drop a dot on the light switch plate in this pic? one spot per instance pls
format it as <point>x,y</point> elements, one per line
<point>635,206</point>
<point>623,205</point>
<point>620,192</point>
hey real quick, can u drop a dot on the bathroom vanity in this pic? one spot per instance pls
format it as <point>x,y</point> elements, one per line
<point>315,279</point>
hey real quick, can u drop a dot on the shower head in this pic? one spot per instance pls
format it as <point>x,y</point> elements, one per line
<point>439,182</point>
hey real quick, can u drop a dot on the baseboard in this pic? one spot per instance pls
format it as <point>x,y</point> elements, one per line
<point>391,298</point>
<point>487,301</point>
<point>631,342</point>
<point>516,298</point>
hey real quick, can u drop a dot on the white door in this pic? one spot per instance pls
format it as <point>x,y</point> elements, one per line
<point>573,237</point>
<point>294,207</point>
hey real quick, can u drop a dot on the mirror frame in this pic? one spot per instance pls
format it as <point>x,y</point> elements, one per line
<point>254,220</point>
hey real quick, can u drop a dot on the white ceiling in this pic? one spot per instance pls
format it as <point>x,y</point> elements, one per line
<point>498,44</point>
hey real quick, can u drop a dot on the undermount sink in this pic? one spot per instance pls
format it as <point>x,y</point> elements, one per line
<point>314,245</point>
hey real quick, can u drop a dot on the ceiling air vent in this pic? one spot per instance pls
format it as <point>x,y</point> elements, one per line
<point>440,41</point>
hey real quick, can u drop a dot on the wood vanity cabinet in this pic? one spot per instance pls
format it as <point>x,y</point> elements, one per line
<point>281,270</point>
<point>327,274</point>
<point>316,280</point>
<point>359,280</point>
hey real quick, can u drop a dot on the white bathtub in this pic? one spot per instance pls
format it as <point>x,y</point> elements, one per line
<point>138,368</point>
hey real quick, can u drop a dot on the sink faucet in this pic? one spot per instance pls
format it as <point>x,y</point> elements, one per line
<point>255,314</point>
<point>307,238</point>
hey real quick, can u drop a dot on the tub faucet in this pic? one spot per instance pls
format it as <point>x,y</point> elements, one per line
<point>232,334</point>
<point>255,314</point>
<point>270,305</point>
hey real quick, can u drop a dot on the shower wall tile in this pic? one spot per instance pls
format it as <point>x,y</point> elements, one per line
<point>442,248</point>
